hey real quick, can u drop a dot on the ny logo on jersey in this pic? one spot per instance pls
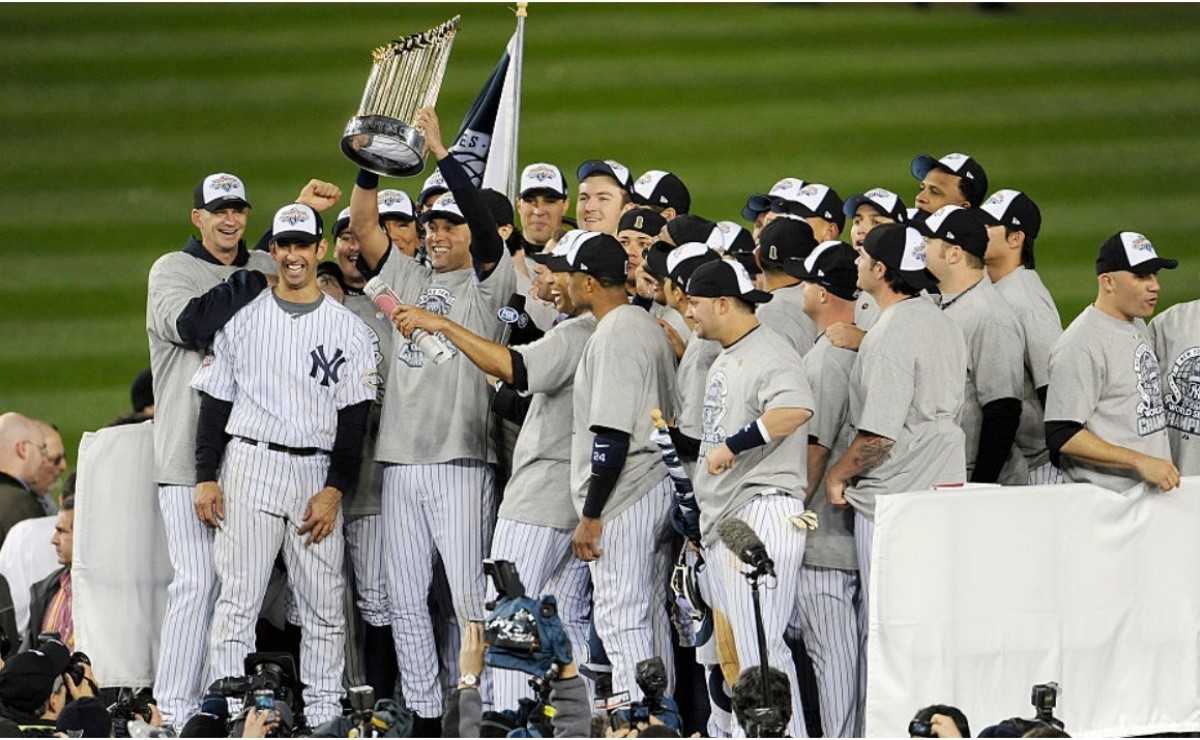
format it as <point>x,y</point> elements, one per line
<point>328,366</point>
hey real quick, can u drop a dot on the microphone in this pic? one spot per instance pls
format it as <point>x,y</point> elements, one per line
<point>741,539</point>
<point>383,297</point>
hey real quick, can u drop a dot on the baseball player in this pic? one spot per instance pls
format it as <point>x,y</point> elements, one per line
<point>1014,221</point>
<point>621,489</point>
<point>191,294</point>
<point>906,390</point>
<point>637,231</point>
<point>758,209</point>
<point>537,516</point>
<point>953,180</point>
<point>782,246</point>
<point>285,395</point>
<point>662,192</point>
<point>398,219</point>
<point>651,274</point>
<point>542,202</point>
<point>820,207</point>
<point>1175,334</point>
<point>955,243</point>
<point>866,210</point>
<point>829,576</point>
<point>604,194</point>
<point>756,398</point>
<point>1105,419</point>
<point>435,438</point>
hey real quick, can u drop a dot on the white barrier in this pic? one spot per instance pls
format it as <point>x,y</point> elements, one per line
<point>976,595</point>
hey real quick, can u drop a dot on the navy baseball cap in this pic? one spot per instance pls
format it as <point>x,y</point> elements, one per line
<point>1012,209</point>
<point>543,179</point>
<point>218,191</point>
<point>598,255</point>
<point>444,207</point>
<point>556,259</point>
<point>27,679</point>
<point>724,278</point>
<point>901,248</point>
<point>785,240</point>
<point>610,167</point>
<point>739,245</point>
<point>814,200</point>
<point>974,179</point>
<point>500,206</point>
<point>1132,252</point>
<point>394,204</point>
<point>661,189</point>
<point>785,189</point>
<point>654,259</point>
<point>690,228</point>
<point>343,221</point>
<point>831,265</point>
<point>642,219</point>
<point>960,226</point>
<point>882,200</point>
<point>683,261</point>
<point>297,223</point>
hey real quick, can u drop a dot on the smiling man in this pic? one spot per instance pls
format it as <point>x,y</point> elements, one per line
<point>604,194</point>
<point>285,395</point>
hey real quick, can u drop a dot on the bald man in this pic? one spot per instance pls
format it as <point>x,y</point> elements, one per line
<point>22,453</point>
<point>54,462</point>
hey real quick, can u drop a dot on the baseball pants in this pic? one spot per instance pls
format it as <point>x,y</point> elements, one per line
<point>364,540</point>
<point>829,625</point>
<point>179,678</point>
<point>629,583</point>
<point>768,516</point>
<point>266,493</point>
<point>864,535</point>
<point>546,565</point>
<point>1045,475</point>
<point>446,509</point>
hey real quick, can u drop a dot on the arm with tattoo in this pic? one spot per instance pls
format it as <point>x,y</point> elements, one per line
<point>866,451</point>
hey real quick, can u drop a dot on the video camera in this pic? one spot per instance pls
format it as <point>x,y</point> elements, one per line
<point>1044,698</point>
<point>270,680</point>
<point>652,680</point>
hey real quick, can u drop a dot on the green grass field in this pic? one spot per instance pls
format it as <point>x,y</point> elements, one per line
<point>111,113</point>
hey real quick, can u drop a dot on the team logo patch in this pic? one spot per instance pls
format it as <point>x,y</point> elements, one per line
<point>1183,393</point>
<point>392,198</point>
<point>995,200</point>
<point>208,360</point>
<point>509,315</point>
<point>225,183</point>
<point>542,174</point>
<point>1151,416</point>
<point>329,367</point>
<point>294,216</point>
<point>1140,243</point>
<point>809,190</point>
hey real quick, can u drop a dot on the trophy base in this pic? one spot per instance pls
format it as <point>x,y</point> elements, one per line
<point>384,146</point>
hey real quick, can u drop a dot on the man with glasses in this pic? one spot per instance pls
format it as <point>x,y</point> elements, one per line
<point>54,462</point>
<point>22,454</point>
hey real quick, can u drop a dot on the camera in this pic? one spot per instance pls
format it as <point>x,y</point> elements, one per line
<point>920,728</point>
<point>1044,698</point>
<point>270,680</point>
<point>130,705</point>
<point>651,676</point>
<point>506,579</point>
<point>78,660</point>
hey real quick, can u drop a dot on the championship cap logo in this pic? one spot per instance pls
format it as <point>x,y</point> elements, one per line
<point>293,216</point>
<point>224,183</point>
<point>392,198</point>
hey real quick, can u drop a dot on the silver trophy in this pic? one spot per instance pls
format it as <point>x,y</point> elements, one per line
<point>406,76</point>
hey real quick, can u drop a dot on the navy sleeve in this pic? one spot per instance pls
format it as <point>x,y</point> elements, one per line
<point>347,447</point>
<point>486,245</point>
<point>210,436</point>
<point>511,405</point>
<point>1058,433</point>
<point>205,314</point>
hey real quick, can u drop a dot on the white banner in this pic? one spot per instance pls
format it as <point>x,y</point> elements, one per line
<point>977,595</point>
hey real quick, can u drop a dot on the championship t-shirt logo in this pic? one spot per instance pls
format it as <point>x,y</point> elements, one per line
<point>1183,392</point>
<point>1150,414</point>
<point>434,300</point>
<point>716,406</point>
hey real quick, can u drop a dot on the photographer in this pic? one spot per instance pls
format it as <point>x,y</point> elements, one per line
<point>939,720</point>
<point>762,713</point>
<point>35,686</point>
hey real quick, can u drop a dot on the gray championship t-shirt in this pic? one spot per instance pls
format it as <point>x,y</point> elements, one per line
<point>1175,334</point>
<point>539,490</point>
<point>1038,316</point>
<point>175,279</point>
<point>827,369</point>
<point>866,311</point>
<point>1104,375</point>
<point>995,365</point>
<point>438,413</point>
<point>690,383</point>
<point>367,497</point>
<point>907,386</point>
<point>784,314</point>
<point>755,374</point>
<point>675,319</point>
<point>628,369</point>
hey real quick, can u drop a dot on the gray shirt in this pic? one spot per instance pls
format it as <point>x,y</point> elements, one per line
<point>784,314</point>
<point>755,374</point>
<point>539,490</point>
<point>367,497</point>
<point>675,319</point>
<point>438,413</point>
<point>1104,375</point>
<point>175,279</point>
<point>628,369</point>
<point>866,311</point>
<point>907,386</point>
<point>995,365</point>
<point>690,384</point>
<point>1039,319</point>
<point>1175,334</point>
<point>827,369</point>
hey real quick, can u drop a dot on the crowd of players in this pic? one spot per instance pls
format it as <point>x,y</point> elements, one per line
<point>801,375</point>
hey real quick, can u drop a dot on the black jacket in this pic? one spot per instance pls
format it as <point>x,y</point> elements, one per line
<point>40,596</point>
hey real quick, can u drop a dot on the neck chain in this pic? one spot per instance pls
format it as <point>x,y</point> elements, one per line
<point>954,300</point>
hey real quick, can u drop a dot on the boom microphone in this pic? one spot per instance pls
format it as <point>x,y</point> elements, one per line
<point>383,297</point>
<point>741,539</point>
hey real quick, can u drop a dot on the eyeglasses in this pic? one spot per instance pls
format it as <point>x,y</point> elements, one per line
<point>41,447</point>
<point>58,459</point>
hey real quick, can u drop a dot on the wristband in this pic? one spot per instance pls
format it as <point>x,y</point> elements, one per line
<point>367,180</point>
<point>748,437</point>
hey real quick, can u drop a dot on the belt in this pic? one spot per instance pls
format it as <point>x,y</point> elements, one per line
<point>297,451</point>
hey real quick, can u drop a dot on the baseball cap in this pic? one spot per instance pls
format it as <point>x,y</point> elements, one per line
<point>785,240</point>
<point>960,226</point>
<point>610,167</point>
<point>654,259</point>
<point>343,220</point>
<point>218,191</point>
<point>86,715</point>
<point>760,202</point>
<point>542,178</point>
<point>1131,251</point>
<point>297,222</point>
<point>663,190</point>
<point>814,200</point>
<point>690,228</point>
<point>901,248</point>
<point>394,204</point>
<point>599,255</point>
<point>435,184</point>
<point>831,265</point>
<point>499,205</point>
<point>975,182</point>
<point>642,219</point>
<point>739,245</point>
<point>141,392</point>
<point>882,200</point>
<point>556,259</point>
<point>27,679</point>
<point>724,278</point>
<point>683,261</point>
<point>328,267</point>
<point>444,207</point>
<point>1013,209</point>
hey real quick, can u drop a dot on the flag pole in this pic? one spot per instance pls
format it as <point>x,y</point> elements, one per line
<point>519,62</point>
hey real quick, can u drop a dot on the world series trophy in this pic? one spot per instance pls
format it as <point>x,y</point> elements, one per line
<point>406,76</point>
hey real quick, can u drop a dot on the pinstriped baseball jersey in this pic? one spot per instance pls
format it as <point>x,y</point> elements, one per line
<point>539,490</point>
<point>322,360</point>
<point>437,413</point>
<point>784,315</point>
<point>1175,334</point>
<point>175,279</point>
<point>1038,316</point>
